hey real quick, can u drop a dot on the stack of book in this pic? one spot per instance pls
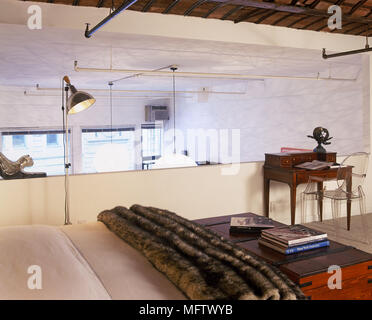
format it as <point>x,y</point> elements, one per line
<point>293,239</point>
<point>252,224</point>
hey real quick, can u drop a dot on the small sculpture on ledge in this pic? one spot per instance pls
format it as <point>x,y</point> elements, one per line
<point>321,135</point>
<point>14,169</point>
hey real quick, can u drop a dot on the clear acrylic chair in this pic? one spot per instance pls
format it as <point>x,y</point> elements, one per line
<point>313,191</point>
<point>343,192</point>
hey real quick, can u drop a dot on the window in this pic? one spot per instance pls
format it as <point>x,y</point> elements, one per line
<point>152,146</point>
<point>45,147</point>
<point>52,139</point>
<point>106,149</point>
<point>18,141</point>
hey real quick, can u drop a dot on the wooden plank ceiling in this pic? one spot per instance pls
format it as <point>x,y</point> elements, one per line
<point>298,14</point>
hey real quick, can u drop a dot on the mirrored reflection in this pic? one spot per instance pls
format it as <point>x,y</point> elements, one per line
<point>44,146</point>
<point>103,149</point>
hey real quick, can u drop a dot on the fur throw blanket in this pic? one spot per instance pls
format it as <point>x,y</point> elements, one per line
<point>202,264</point>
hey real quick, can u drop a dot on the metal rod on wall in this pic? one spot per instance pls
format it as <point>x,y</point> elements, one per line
<point>38,88</point>
<point>207,74</point>
<point>30,94</point>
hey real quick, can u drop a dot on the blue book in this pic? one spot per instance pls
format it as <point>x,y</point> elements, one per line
<point>306,247</point>
<point>296,249</point>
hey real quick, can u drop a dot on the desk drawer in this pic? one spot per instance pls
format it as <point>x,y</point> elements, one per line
<point>355,284</point>
<point>303,176</point>
<point>288,160</point>
<point>297,159</point>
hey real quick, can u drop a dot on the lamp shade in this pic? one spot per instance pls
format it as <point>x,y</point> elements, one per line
<point>79,101</point>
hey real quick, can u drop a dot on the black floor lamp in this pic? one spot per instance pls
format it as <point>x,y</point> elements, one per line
<point>77,102</point>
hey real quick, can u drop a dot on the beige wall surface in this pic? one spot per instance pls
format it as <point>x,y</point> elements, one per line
<point>191,192</point>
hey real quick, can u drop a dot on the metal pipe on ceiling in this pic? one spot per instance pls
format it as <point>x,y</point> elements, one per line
<point>208,74</point>
<point>346,53</point>
<point>125,5</point>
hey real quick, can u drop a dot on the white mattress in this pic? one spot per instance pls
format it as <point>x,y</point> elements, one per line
<point>85,261</point>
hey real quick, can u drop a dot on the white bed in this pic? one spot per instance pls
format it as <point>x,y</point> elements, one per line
<point>84,261</point>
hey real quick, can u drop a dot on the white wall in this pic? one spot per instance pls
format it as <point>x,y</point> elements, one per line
<point>192,192</point>
<point>281,113</point>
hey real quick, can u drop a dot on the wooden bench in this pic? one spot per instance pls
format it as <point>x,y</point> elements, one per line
<point>308,269</point>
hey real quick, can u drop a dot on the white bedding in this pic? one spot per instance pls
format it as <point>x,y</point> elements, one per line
<point>85,261</point>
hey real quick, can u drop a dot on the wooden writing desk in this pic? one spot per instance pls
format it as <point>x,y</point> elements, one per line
<point>280,167</point>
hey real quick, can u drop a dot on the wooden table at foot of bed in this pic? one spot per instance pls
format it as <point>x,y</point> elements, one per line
<point>312,270</point>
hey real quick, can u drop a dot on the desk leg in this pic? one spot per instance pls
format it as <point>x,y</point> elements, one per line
<point>293,203</point>
<point>266,196</point>
<point>348,204</point>
<point>320,200</point>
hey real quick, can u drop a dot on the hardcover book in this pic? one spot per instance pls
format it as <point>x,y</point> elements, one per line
<point>282,244</point>
<point>250,224</point>
<point>315,165</point>
<point>294,235</point>
<point>295,249</point>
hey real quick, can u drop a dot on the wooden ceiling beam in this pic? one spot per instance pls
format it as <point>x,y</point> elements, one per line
<point>194,6</point>
<point>148,5</point>
<point>352,10</point>
<point>344,4</point>
<point>297,21</point>
<point>311,23</point>
<point>339,2</point>
<point>231,12</point>
<point>292,9</point>
<point>322,27</point>
<point>170,7</point>
<point>343,26</point>
<point>361,34</point>
<point>221,4</point>
<point>368,14</point>
<point>100,3</point>
<point>356,6</point>
<point>265,16</point>
<point>367,33</point>
<point>281,19</point>
<point>314,4</point>
<point>248,15</point>
<point>356,28</point>
<point>346,24</point>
